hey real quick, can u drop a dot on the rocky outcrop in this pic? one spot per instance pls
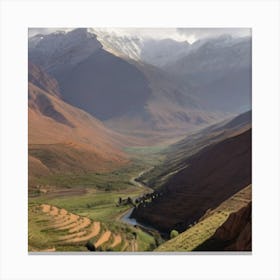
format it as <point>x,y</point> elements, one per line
<point>235,234</point>
<point>41,79</point>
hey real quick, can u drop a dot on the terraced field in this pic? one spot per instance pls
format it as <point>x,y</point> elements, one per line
<point>61,229</point>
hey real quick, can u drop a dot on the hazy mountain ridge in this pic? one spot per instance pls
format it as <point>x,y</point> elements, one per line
<point>157,52</point>
<point>127,94</point>
<point>54,50</point>
<point>217,70</point>
<point>220,73</point>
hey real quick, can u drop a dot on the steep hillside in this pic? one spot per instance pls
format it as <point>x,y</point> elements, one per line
<point>41,79</point>
<point>221,169</point>
<point>235,234</point>
<point>63,138</point>
<point>168,110</point>
<point>178,153</point>
<point>225,228</point>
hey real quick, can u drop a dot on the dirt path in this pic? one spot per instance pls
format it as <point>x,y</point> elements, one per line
<point>138,184</point>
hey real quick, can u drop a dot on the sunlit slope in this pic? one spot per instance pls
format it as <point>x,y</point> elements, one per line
<point>206,228</point>
<point>55,229</point>
<point>63,138</point>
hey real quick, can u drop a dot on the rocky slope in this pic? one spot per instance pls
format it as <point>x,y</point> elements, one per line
<point>235,234</point>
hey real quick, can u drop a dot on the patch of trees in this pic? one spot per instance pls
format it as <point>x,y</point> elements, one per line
<point>147,198</point>
<point>173,233</point>
<point>140,201</point>
<point>125,201</point>
<point>90,246</point>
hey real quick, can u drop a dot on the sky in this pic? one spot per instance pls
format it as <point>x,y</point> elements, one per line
<point>178,34</point>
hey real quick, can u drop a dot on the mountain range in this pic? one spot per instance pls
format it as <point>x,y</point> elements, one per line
<point>216,70</point>
<point>130,94</point>
<point>98,102</point>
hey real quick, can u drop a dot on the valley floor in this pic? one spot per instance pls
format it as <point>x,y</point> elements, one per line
<point>87,214</point>
<point>91,212</point>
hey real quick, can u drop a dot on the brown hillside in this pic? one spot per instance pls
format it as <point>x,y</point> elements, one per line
<point>41,79</point>
<point>63,138</point>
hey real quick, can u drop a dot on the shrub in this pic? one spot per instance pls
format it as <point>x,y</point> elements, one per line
<point>90,246</point>
<point>173,233</point>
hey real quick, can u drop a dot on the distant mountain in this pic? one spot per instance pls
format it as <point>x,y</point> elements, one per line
<point>129,96</point>
<point>55,51</point>
<point>211,162</point>
<point>63,138</point>
<point>216,70</point>
<point>147,50</point>
<point>220,71</point>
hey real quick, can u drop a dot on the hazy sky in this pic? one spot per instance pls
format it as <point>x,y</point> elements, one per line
<point>179,34</point>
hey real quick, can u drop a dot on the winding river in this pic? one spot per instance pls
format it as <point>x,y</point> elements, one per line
<point>125,218</point>
<point>131,221</point>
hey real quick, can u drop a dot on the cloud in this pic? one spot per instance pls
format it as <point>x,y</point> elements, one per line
<point>33,31</point>
<point>179,34</point>
<point>194,34</point>
<point>156,33</point>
